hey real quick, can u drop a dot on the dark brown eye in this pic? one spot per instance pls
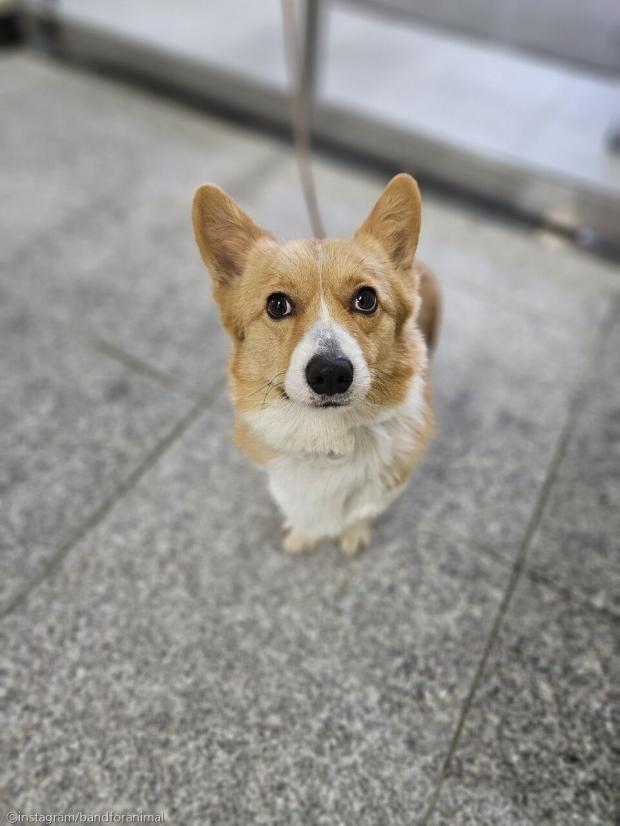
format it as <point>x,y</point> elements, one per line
<point>365,300</point>
<point>279,305</point>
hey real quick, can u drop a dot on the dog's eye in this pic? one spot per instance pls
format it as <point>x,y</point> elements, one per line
<point>279,305</point>
<point>365,300</point>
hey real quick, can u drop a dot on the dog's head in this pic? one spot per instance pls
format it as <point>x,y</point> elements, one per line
<point>323,332</point>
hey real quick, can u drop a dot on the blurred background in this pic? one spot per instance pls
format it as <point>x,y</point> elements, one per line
<point>158,650</point>
<point>512,101</point>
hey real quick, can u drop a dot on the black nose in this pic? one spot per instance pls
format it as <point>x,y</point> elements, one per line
<point>328,375</point>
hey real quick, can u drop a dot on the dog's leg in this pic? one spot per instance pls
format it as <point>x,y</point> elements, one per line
<point>296,543</point>
<point>355,538</point>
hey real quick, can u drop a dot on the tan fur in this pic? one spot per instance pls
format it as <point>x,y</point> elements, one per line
<point>429,317</point>
<point>256,450</point>
<point>247,265</point>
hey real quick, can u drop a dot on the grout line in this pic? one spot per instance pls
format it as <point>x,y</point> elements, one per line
<point>112,351</point>
<point>138,365</point>
<point>91,522</point>
<point>576,408</point>
<point>539,578</point>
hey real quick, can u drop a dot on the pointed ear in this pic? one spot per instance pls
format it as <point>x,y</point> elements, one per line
<point>225,234</point>
<point>395,220</point>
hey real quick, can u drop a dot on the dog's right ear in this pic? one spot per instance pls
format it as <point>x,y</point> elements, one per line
<point>395,221</point>
<point>225,234</point>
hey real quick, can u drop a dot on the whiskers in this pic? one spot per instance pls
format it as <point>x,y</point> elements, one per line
<point>381,386</point>
<point>274,384</point>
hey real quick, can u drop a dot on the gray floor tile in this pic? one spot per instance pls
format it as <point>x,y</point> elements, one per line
<point>214,676</point>
<point>73,425</point>
<point>19,71</point>
<point>577,546</point>
<point>63,145</point>
<point>132,275</point>
<point>176,657</point>
<point>70,139</point>
<point>514,267</point>
<point>538,746</point>
<point>127,269</point>
<point>501,388</point>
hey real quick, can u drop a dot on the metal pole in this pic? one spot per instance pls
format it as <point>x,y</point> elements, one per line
<point>310,58</point>
<point>302,62</point>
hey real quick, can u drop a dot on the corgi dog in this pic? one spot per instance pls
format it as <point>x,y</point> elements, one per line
<point>329,363</point>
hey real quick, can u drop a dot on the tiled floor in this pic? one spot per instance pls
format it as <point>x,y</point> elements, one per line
<point>158,651</point>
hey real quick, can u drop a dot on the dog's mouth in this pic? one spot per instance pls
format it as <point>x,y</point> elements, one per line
<point>323,405</point>
<point>317,405</point>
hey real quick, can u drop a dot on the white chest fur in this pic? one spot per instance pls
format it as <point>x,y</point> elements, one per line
<point>322,493</point>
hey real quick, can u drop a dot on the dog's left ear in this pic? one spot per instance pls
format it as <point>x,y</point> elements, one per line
<point>395,220</point>
<point>225,234</point>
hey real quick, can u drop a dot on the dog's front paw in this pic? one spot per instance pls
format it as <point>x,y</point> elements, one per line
<point>354,539</point>
<point>297,543</point>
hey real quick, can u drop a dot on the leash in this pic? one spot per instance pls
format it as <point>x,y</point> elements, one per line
<point>300,114</point>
